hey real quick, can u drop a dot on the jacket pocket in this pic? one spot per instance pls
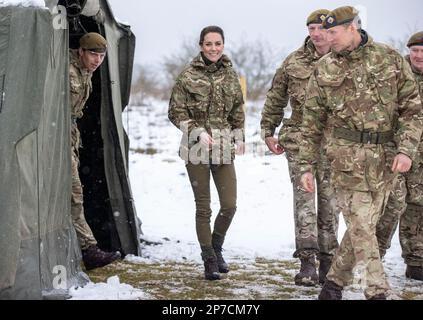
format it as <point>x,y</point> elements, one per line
<point>198,93</point>
<point>228,100</point>
<point>338,94</point>
<point>335,93</point>
<point>386,84</point>
<point>197,102</point>
<point>298,80</point>
<point>348,167</point>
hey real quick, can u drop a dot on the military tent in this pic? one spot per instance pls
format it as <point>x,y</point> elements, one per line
<point>39,253</point>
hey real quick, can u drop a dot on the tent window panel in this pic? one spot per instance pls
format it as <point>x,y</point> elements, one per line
<point>2,83</point>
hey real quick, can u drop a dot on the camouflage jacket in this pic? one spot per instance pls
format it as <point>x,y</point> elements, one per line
<point>207,98</point>
<point>80,84</point>
<point>419,78</point>
<point>289,84</point>
<point>369,89</point>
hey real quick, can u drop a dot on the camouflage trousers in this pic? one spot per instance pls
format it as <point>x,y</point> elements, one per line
<point>405,205</point>
<point>225,180</point>
<point>314,233</point>
<point>83,230</point>
<point>359,251</point>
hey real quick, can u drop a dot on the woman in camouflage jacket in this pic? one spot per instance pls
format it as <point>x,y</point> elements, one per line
<point>207,105</point>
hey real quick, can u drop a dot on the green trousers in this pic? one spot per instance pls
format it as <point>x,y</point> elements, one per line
<point>224,178</point>
<point>406,206</point>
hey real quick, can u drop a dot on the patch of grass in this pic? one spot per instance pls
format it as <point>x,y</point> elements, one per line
<point>408,295</point>
<point>148,151</point>
<point>260,279</point>
<point>263,279</point>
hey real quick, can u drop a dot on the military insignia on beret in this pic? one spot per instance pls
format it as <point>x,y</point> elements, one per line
<point>330,20</point>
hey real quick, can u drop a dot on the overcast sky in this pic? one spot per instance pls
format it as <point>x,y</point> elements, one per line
<point>162,25</point>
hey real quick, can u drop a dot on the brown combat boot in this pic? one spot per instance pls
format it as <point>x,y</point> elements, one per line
<point>414,272</point>
<point>211,270</point>
<point>217,242</point>
<point>307,275</point>
<point>94,257</point>
<point>324,266</point>
<point>330,291</point>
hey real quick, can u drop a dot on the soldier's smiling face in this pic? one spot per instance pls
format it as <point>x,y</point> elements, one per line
<point>416,57</point>
<point>91,60</point>
<point>213,46</point>
<point>341,37</point>
<point>317,34</point>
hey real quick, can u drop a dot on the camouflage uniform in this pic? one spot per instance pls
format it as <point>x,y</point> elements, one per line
<point>80,88</point>
<point>209,98</point>
<point>360,94</point>
<point>406,201</point>
<point>312,234</point>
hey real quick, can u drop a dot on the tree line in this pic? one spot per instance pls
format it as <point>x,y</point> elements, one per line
<point>256,60</point>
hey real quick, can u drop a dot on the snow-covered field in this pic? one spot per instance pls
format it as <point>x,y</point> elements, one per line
<point>263,226</point>
<point>23,3</point>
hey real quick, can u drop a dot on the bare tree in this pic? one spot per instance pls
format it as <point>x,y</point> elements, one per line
<point>174,64</point>
<point>257,61</point>
<point>401,43</point>
<point>146,83</point>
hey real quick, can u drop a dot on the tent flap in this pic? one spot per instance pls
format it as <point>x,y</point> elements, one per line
<point>40,256</point>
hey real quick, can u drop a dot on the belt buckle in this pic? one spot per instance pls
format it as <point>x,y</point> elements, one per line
<point>366,137</point>
<point>377,137</point>
<point>369,136</point>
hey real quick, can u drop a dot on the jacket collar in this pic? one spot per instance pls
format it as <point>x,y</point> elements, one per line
<point>76,61</point>
<point>357,53</point>
<point>415,70</point>
<point>199,63</point>
<point>310,50</point>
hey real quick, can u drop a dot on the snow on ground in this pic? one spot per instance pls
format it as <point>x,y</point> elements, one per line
<point>111,290</point>
<point>23,3</point>
<point>263,223</point>
<point>263,226</point>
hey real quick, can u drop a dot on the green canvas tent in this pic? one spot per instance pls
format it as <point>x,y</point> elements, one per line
<point>39,253</point>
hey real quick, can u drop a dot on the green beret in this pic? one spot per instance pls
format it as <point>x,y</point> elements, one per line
<point>340,16</point>
<point>93,42</point>
<point>317,16</point>
<point>416,40</point>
